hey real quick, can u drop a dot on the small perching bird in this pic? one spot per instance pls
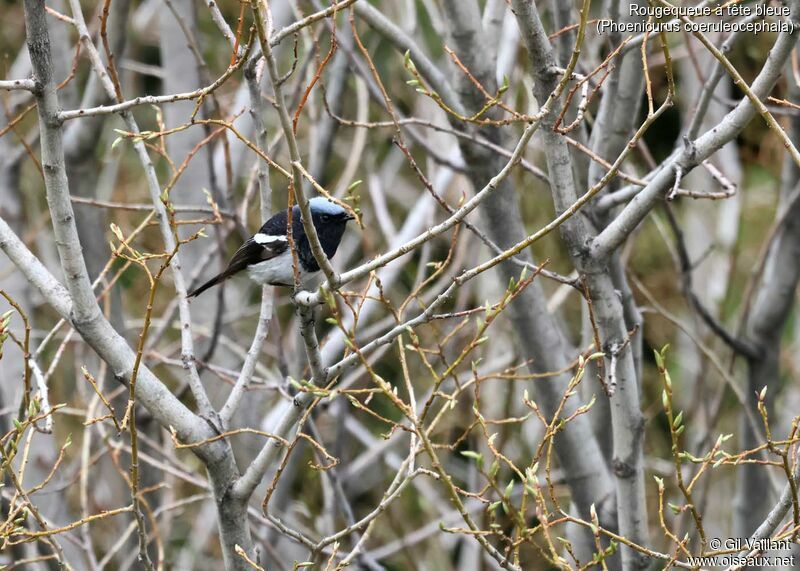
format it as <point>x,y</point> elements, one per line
<point>266,255</point>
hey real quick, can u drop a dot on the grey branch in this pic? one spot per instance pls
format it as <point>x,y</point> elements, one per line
<point>17,84</point>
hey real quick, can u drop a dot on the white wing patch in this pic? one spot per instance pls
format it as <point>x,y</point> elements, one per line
<point>267,239</point>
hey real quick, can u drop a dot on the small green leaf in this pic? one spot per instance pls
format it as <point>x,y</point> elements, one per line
<point>504,86</point>
<point>659,359</point>
<point>474,455</point>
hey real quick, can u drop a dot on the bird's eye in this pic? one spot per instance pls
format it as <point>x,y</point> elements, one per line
<point>324,217</point>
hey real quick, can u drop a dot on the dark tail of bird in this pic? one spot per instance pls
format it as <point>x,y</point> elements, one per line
<point>210,283</point>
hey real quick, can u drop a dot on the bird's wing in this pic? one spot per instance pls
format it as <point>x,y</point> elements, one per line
<point>270,241</point>
<point>259,248</point>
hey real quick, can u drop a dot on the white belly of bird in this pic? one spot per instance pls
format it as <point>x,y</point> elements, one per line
<point>277,271</point>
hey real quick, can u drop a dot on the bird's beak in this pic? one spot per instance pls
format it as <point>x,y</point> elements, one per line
<point>349,216</point>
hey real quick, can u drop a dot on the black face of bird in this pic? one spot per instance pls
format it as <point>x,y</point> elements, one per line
<point>327,215</point>
<point>330,227</point>
<point>330,222</point>
<point>322,220</point>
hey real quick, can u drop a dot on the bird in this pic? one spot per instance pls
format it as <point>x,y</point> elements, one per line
<point>266,255</point>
